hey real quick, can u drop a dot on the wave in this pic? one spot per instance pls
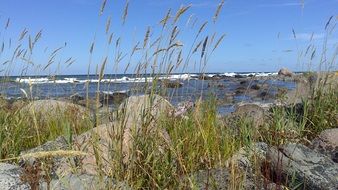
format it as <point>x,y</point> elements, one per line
<point>45,80</point>
<point>125,79</point>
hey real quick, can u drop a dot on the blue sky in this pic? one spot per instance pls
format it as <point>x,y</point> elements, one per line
<point>259,33</point>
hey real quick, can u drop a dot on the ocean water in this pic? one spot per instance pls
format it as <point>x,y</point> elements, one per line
<point>42,87</point>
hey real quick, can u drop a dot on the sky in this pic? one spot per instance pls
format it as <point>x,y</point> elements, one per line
<point>258,33</point>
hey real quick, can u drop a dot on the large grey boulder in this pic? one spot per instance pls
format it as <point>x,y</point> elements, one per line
<point>59,143</point>
<point>102,141</point>
<point>239,172</point>
<point>142,113</point>
<point>83,182</point>
<point>327,143</point>
<point>314,170</point>
<point>251,113</point>
<point>10,178</point>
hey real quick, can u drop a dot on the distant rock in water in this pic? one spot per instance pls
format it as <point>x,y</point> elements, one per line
<point>285,72</point>
<point>75,98</point>
<point>114,97</point>
<point>171,83</point>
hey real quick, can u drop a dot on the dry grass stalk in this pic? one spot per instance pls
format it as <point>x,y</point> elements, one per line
<point>180,12</point>
<point>218,42</point>
<point>164,21</point>
<point>7,23</point>
<point>91,48</point>
<point>110,38</point>
<point>23,34</point>
<point>202,27</point>
<point>204,46</point>
<point>103,5</point>
<point>218,10</point>
<point>146,38</point>
<point>102,69</point>
<point>125,12</point>
<point>108,25</point>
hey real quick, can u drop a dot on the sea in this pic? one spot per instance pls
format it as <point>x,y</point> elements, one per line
<point>192,86</point>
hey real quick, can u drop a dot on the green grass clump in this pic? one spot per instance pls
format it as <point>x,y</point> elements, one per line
<point>18,131</point>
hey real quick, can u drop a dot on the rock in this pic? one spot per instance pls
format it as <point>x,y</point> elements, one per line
<point>171,83</point>
<point>83,182</point>
<point>10,178</point>
<point>255,86</point>
<point>116,97</point>
<point>18,104</point>
<point>105,140</point>
<point>95,141</point>
<point>243,82</point>
<point>251,112</point>
<point>91,104</point>
<point>327,143</point>
<point>75,98</point>
<point>52,109</point>
<point>297,161</point>
<point>182,108</point>
<point>219,178</point>
<point>59,143</point>
<point>285,72</point>
<point>240,90</point>
<point>229,98</point>
<point>143,111</point>
<point>4,104</point>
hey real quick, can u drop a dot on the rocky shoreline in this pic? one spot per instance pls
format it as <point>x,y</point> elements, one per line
<point>314,164</point>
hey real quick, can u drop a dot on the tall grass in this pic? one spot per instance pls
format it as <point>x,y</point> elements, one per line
<point>200,140</point>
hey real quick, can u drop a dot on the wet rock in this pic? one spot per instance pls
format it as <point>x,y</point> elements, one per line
<point>327,143</point>
<point>255,86</point>
<point>285,72</point>
<point>229,98</point>
<point>171,83</point>
<point>266,95</point>
<point>243,82</point>
<point>116,97</point>
<point>240,90</point>
<point>10,178</point>
<point>296,161</point>
<point>75,98</point>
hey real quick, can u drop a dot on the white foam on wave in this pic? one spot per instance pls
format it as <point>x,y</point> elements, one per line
<point>229,74</point>
<point>45,80</point>
<point>124,79</point>
<point>258,74</point>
